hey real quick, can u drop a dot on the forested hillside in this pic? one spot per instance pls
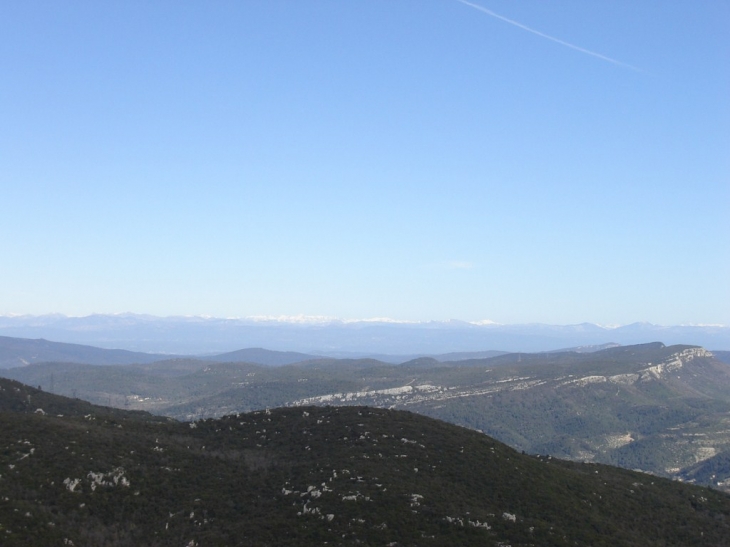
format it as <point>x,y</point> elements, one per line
<point>76,474</point>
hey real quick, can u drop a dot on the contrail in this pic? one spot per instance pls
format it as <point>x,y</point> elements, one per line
<point>559,41</point>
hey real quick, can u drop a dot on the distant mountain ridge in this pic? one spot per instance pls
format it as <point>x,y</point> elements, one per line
<point>262,356</point>
<point>198,335</point>
<point>18,352</point>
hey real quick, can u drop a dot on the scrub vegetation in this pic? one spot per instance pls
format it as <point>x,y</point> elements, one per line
<point>72,473</point>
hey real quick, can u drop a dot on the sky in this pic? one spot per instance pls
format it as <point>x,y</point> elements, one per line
<point>528,161</point>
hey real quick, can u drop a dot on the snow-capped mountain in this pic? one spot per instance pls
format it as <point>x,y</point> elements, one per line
<point>316,334</point>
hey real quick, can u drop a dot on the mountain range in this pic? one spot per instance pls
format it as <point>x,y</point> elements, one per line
<point>322,336</point>
<point>19,352</point>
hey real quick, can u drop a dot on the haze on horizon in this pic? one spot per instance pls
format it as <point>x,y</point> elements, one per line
<point>418,161</point>
<point>322,320</point>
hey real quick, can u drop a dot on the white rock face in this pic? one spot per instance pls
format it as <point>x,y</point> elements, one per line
<point>624,379</point>
<point>617,441</point>
<point>71,484</point>
<point>673,363</point>
<point>113,478</point>
<point>589,380</point>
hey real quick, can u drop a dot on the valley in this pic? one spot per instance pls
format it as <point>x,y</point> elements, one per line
<point>660,409</point>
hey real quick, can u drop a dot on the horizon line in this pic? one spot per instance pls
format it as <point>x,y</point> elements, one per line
<point>303,319</point>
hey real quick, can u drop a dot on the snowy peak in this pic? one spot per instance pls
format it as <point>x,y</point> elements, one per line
<point>328,335</point>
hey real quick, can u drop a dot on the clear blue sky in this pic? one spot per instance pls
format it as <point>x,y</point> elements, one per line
<point>410,159</point>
